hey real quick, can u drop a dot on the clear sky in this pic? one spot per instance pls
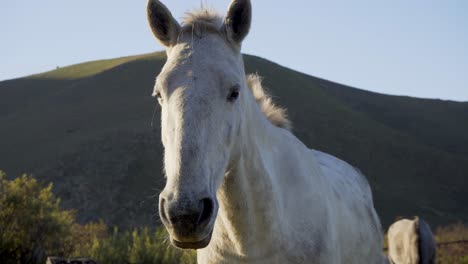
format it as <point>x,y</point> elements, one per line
<point>417,48</point>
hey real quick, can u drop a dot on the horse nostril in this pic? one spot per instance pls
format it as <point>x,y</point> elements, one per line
<point>162,211</point>
<point>207,206</point>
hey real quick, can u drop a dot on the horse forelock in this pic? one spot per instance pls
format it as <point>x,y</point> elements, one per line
<point>202,21</point>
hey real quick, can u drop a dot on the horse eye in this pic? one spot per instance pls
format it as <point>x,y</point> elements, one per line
<point>158,95</point>
<point>234,94</point>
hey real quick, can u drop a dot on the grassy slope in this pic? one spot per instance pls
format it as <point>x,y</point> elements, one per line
<point>87,128</point>
<point>87,69</point>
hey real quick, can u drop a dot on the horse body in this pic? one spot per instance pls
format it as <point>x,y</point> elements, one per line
<point>284,203</point>
<point>411,242</point>
<point>241,188</point>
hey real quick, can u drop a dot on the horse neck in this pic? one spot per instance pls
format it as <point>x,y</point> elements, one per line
<point>249,196</point>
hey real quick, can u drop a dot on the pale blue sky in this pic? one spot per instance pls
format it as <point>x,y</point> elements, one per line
<point>417,47</point>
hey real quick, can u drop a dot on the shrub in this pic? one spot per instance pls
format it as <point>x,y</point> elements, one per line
<point>31,223</point>
<point>32,226</point>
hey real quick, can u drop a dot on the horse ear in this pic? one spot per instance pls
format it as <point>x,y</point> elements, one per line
<point>165,28</point>
<point>238,19</point>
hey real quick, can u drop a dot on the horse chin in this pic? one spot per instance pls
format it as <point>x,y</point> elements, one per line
<point>193,244</point>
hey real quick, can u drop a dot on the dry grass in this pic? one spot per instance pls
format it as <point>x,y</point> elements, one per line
<point>452,244</point>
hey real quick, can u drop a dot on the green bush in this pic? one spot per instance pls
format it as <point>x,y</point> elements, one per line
<point>32,227</point>
<point>31,222</point>
<point>138,246</point>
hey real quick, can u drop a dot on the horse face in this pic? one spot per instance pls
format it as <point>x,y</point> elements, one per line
<point>200,91</point>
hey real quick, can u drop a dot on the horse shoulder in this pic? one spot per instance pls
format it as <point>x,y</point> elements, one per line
<point>342,175</point>
<point>351,199</point>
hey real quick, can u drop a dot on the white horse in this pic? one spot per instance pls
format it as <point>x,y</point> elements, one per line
<point>241,188</point>
<point>411,242</point>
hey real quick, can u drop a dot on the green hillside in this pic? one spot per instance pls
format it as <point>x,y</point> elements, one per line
<point>87,128</point>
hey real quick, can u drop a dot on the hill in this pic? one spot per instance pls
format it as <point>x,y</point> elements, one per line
<point>87,128</point>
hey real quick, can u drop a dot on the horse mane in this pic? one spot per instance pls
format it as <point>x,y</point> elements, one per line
<point>275,114</point>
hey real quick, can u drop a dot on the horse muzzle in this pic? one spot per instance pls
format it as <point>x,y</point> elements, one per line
<point>189,223</point>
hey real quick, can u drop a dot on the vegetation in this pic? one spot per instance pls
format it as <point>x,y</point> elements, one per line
<point>32,227</point>
<point>140,245</point>
<point>88,69</point>
<point>452,242</point>
<point>31,223</point>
